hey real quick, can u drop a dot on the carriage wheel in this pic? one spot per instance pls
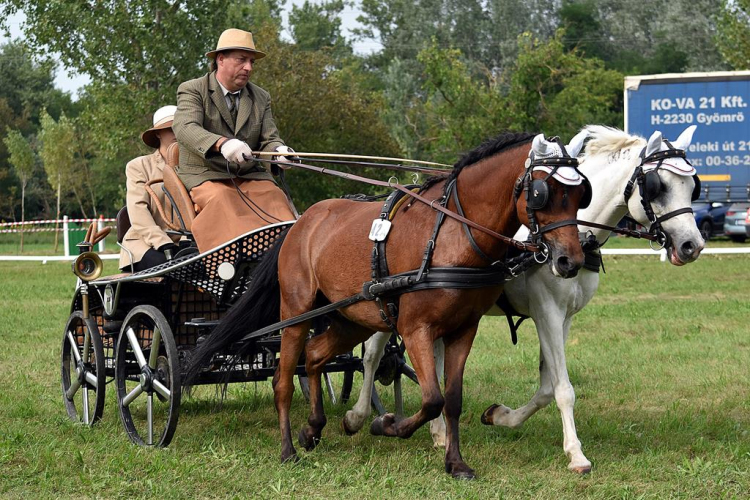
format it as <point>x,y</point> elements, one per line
<point>148,377</point>
<point>83,382</point>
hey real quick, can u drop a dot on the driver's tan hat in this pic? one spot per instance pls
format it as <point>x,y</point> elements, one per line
<point>234,39</point>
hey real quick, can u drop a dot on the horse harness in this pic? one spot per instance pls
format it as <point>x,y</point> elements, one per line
<point>650,186</point>
<point>537,190</point>
<point>385,288</point>
<point>498,271</point>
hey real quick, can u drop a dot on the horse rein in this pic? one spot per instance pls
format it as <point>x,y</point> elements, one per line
<point>434,204</point>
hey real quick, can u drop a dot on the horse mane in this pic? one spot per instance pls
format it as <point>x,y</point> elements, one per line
<point>609,140</point>
<point>488,148</point>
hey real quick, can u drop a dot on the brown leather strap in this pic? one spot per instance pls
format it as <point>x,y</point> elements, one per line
<point>158,205</point>
<point>432,203</point>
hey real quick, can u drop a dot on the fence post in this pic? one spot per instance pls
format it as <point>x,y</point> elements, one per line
<point>66,236</point>
<point>99,227</point>
<point>663,256</point>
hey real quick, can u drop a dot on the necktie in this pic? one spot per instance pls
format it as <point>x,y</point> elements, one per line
<point>233,105</point>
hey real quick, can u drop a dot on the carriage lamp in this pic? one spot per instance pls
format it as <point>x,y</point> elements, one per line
<point>109,300</point>
<point>88,266</point>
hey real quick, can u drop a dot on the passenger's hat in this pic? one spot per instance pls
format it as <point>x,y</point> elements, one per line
<point>163,118</point>
<point>234,39</point>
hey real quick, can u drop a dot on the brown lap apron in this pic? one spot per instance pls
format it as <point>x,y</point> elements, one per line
<point>224,215</point>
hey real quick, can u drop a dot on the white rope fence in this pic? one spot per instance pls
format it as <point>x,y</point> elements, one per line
<point>32,227</point>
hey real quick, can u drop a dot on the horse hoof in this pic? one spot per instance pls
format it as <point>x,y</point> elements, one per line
<point>289,458</point>
<point>348,431</point>
<point>487,415</point>
<point>581,469</point>
<point>464,475</point>
<point>308,443</point>
<point>381,423</point>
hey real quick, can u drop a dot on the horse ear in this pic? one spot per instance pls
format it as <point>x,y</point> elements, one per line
<point>576,143</point>
<point>686,137</point>
<point>540,146</point>
<point>654,143</point>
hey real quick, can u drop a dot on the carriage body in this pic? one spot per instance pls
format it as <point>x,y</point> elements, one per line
<point>139,330</point>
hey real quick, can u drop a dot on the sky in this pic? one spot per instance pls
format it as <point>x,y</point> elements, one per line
<point>71,82</point>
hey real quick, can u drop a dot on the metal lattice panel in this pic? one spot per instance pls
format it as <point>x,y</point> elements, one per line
<point>204,273</point>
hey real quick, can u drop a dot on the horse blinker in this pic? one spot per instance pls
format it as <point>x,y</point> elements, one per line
<point>538,194</point>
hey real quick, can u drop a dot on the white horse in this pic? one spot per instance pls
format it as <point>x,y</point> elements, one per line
<point>609,162</point>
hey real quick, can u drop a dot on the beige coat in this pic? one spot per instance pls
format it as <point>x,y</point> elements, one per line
<point>147,227</point>
<point>202,118</point>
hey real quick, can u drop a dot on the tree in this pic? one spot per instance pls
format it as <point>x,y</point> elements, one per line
<point>26,87</point>
<point>58,157</point>
<point>634,31</point>
<point>557,92</point>
<point>22,159</point>
<point>733,38</point>
<point>318,26</point>
<point>459,111</point>
<point>320,108</point>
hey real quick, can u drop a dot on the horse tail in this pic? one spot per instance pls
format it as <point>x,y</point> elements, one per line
<point>257,307</point>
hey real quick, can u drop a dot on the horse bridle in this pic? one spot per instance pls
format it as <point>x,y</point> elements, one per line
<point>537,193</point>
<point>650,186</point>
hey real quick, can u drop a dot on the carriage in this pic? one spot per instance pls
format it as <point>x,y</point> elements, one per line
<point>138,330</point>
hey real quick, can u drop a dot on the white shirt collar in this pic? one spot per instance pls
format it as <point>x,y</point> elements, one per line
<point>225,91</point>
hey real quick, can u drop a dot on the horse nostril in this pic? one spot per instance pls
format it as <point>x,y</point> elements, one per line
<point>563,263</point>
<point>687,248</point>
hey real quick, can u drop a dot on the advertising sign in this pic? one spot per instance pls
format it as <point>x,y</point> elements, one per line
<point>718,103</point>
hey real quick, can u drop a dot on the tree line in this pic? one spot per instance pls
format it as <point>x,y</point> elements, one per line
<point>448,75</point>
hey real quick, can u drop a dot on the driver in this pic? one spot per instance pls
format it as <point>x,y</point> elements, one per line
<point>221,118</point>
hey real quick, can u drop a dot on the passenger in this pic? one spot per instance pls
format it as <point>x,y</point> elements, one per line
<point>221,118</point>
<point>147,240</point>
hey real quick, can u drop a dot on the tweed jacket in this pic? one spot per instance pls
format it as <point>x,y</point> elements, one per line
<point>147,227</point>
<point>203,117</point>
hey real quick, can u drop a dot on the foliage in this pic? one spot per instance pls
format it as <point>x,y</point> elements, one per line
<point>21,154</point>
<point>67,170</point>
<point>484,30</point>
<point>733,37</point>
<point>320,109</point>
<point>558,92</point>
<point>460,112</point>
<point>26,87</point>
<point>634,32</point>
<point>317,26</point>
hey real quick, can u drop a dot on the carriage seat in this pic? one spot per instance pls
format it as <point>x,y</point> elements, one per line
<point>179,205</point>
<point>122,224</point>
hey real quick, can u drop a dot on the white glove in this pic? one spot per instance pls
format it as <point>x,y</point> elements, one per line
<point>236,151</point>
<point>284,149</point>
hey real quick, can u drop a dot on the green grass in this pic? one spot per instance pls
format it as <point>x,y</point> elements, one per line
<point>659,360</point>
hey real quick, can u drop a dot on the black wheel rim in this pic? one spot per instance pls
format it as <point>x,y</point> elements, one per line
<point>148,377</point>
<point>82,370</point>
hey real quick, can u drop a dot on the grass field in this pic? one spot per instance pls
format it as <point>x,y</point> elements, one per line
<point>660,362</point>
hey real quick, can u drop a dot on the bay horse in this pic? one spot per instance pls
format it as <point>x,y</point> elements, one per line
<point>326,257</point>
<point>610,159</point>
